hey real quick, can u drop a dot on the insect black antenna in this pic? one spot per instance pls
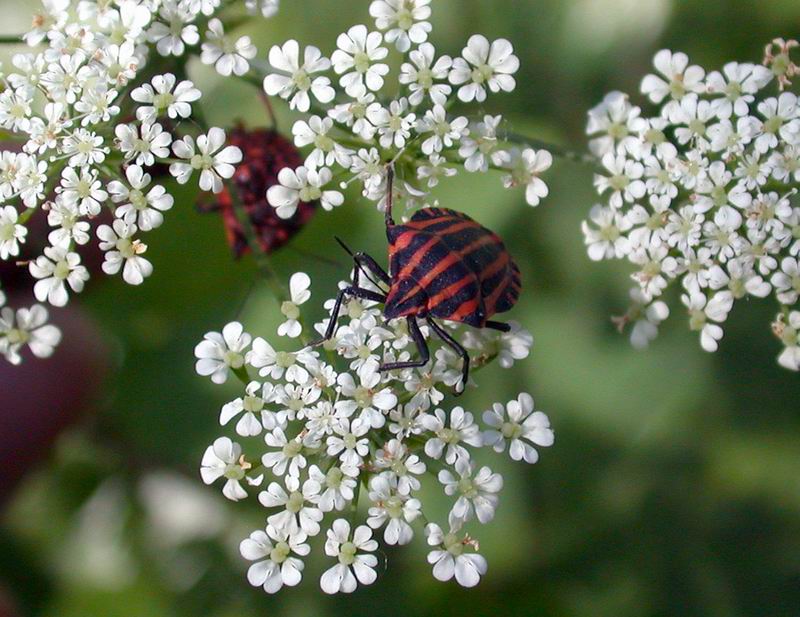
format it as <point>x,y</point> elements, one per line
<point>389,193</point>
<point>360,268</point>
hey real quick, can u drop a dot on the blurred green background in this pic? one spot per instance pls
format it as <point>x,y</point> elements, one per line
<point>674,484</point>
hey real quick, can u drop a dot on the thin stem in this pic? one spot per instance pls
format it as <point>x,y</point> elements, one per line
<point>11,39</point>
<point>554,149</point>
<point>261,259</point>
<point>270,110</point>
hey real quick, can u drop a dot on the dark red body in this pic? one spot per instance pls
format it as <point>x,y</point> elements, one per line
<point>265,152</point>
<point>444,264</point>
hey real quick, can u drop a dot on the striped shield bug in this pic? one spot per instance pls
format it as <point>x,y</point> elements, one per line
<point>265,153</point>
<point>443,265</point>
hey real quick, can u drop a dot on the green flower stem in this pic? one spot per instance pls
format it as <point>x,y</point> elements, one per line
<point>11,39</point>
<point>262,260</point>
<point>354,504</point>
<point>242,374</point>
<point>554,149</point>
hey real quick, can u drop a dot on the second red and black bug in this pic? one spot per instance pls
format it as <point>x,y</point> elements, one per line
<point>442,265</point>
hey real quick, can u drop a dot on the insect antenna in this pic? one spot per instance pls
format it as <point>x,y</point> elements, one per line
<point>361,269</point>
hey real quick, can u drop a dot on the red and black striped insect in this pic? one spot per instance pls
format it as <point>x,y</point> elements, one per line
<point>444,265</point>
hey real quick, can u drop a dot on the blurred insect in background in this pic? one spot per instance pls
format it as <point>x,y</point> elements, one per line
<point>443,265</point>
<point>265,152</point>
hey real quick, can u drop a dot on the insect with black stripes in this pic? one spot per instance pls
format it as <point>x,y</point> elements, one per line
<point>443,265</point>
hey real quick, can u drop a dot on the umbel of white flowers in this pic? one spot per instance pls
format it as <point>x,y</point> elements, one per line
<point>315,434</point>
<point>703,192</point>
<point>358,116</point>
<point>65,100</point>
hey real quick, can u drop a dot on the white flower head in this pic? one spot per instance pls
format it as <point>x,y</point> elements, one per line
<point>355,564</point>
<point>484,65</point>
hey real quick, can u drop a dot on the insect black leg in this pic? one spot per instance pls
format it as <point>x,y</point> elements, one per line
<point>498,325</point>
<point>456,346</point>
<point>422,347</point>
<point>369,263</point>
<point>354,291</point>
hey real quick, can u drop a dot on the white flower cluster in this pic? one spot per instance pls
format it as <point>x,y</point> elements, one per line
<point>92,115</point>
<point>26,327</point>
<point>324,432</point>
<point>354,130</point>
<point>703,192</point>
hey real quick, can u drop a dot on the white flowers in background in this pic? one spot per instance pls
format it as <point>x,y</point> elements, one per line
<point>91,126</point>
<point>334,433</point>
<point>375,118</point>
<point>227,56</point>
<point>26,327</point>
<point>700,193</point>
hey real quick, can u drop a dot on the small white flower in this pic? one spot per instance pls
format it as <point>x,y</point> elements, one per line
<point>302,185</point>
<point>26,326</point>
<point>65,218</point>
<point>214,162</point>
<point>789,333</point>
<point>223,459</point>
<point>477,493</point>
<point>404,21</point>
<point>289,455</point>
<point>174,31</point>
<point>355,565</point>
<point>394,123</point>
<point>701,310</point>
<point>57,269</point>
<point>368,396</point>
<point>300,511</point>
<point>84,191</point>
<point>446,439</point>
<point>337,484</point>
<point>299,292</point>
<point>450,558</point>
<point>142,144</point>
<point>677,78</point>
<point>272,552</point>
<point>139,207</point>
<point>356,60</point>
<point>392,508</point>
<point>124,252</point>
<point>444,132</point>
<point>11,232</point>
<point>326,150</point>
<point>164,97</point>
<point>295,80</point>
<point>787,281</point>
<point>252,409</point>
<point>226,55</point>
<point>519,426</point>
<point>526,167</point>
<point>477,147</point>
<point>484,65</point>
<point>422,73</point>
<point>400,464</point>
<point>349,442</point>
<point>218,353</point>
